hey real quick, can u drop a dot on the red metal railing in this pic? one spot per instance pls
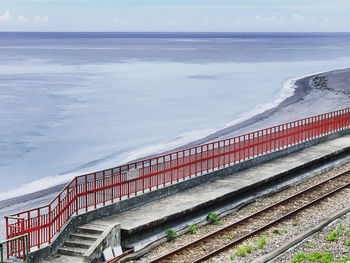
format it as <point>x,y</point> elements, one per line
<point>104,187</point>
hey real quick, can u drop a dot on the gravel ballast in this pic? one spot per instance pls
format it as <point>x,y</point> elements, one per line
<point>274,236</point>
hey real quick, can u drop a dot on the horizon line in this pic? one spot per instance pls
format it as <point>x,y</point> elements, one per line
<point>184,32</point>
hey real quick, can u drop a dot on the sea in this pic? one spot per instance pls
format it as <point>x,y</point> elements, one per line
<point>72,103</point>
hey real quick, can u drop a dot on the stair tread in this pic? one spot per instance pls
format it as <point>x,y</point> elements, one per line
<point>85,235</point>
<point>63,259</point>
<point>93,226</point>
<point>75,249</point>
<point>72,251</point>
<point>79,241</point>
<point>78,244</point>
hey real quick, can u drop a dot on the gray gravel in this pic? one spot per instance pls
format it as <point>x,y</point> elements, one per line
<point>319,243</point>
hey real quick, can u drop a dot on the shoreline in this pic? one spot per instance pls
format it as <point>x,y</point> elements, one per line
<point>301,91</point>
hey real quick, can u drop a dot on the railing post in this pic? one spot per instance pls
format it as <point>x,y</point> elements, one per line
<point>143,176</point>
<point>177,167</point>
<point>38,229</point>
<point>76,195</point>
<point>164,178</point>
<point>24,246</point>
<point>128,183</point>
<point>50,224</point>
<point>103,185</point>
<point>112,188</point>
<point>119,183</point>
<point>157,166</point>
<point>95,190</point>
<point>7,227</point>
<point>195,161</point>
<point>27,248</point>
<point>171,168</point>
<point>59,212</point>
<point>86,194</point>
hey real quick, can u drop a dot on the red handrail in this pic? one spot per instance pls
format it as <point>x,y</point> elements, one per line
<point>103,187</point>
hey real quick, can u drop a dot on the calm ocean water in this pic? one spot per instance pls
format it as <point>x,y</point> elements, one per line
<point>76,102</point>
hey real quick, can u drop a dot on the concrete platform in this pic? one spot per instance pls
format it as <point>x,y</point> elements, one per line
<point>150,214</point>
<point>158,212</point>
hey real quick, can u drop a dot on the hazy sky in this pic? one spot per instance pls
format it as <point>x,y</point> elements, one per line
<point>175,15</point>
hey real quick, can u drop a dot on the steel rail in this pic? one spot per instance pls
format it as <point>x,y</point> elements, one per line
<point>165,258</point>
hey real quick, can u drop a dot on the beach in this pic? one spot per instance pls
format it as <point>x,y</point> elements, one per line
<point>306,101</point>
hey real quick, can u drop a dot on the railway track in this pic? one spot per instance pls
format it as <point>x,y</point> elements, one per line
<point>210,245</point>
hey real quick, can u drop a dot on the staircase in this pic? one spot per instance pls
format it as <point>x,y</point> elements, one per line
<point>74,249</point>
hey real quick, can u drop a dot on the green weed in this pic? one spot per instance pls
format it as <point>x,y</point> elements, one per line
<point>192,229</point>
<point>249,248</point>
<point>213,218</point>
<point>298,258</point>
<point>314,256</point>
<point>241,252</point>
<point>261,242</point>
<point>277,231</point>
<point>327,258</point>
<point>333,236</point>
<point>171,234</point>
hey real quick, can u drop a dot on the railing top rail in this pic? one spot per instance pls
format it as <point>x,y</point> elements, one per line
<point>14,238</point>
<point>149,159</point>
<point>16,216</point>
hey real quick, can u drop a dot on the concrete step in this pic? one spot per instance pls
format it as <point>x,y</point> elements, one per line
<point>63,259</point>
<point>90,229</point>
<point>79,240</point>
<point>89,237</point>
<point>71,251</point>
<point>77,243</point>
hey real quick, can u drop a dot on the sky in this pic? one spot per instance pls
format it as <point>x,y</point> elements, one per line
<point>176,15</point>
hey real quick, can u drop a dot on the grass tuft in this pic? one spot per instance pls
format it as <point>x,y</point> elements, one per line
<point>333,236</point>
<point>261,242</point>
<point>171,234</point>
<point>298,258</point>
<point>213,218</point>
<point>192,229</point>
<point>241,252</point>
<point>277,231</point>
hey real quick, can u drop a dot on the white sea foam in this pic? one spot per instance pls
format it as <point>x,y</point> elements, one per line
<point>288,90</point>
<point>38,185</point>
<point>50,181</point>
